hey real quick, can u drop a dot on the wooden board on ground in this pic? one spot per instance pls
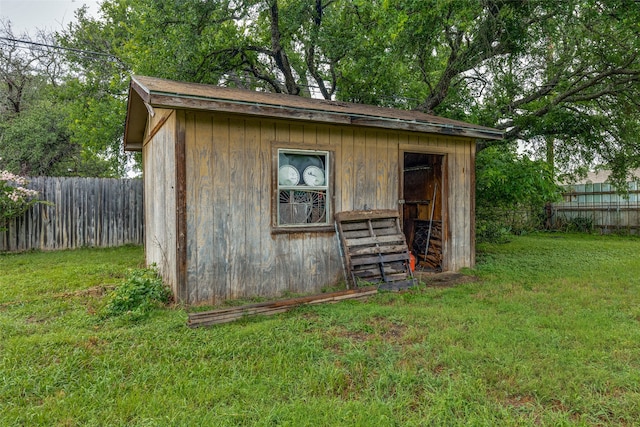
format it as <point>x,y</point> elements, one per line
<point>229,314</point>
<point>374,249</point>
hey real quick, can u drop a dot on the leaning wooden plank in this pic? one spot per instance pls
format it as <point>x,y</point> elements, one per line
<point>374,240</point>
<point>362,215</point>
<point>376,224</point>
<point>354,234</point>
<point>229,314</point>
<point>351,227</point>
<point>380,258</point>
<point>376,250</point>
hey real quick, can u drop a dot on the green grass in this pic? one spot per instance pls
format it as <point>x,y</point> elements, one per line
<point>549,334</point>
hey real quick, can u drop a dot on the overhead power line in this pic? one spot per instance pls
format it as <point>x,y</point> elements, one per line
<point>71,49</point>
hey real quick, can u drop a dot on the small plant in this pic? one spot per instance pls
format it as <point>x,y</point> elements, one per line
<point>138,295</point>
<point>581,224</point>
<point>492,231</point>
<point>15,199</point>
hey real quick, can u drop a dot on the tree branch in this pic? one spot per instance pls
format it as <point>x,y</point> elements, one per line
<point>311,50</point>
<point>280,56</point>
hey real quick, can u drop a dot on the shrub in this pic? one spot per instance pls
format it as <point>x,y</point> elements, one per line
<point>582,224</point>
<point>492,231</point>
<point>138,295</point>
<point>15,199</point>
<point>510,193</point>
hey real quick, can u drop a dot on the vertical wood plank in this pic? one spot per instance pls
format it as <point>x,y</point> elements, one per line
<point>382,172</point>
<point>267,282</point>
<point>346,170</point>
<point>370,162</point>
<point>393,176</point>
<point>253,186</point>
<point>203,189</point>
<point>282,241</point>
<point>335,142</point>
<point>462,223</point>
<point>457,245</point>
<point>221,201</point>
<point>158,193</point>
<point>360,164</point>
<point>195,180</point>
<point>155,191</point>
<point>238,187</point>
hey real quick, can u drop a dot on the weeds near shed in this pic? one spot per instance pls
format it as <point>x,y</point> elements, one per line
<point>141,292</point>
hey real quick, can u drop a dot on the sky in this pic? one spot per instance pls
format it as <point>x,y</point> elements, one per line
<point>27,16</point>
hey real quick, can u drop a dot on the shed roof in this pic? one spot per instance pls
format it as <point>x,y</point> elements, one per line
<point>148,92</point>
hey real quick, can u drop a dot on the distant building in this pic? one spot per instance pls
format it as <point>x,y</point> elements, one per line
<point>599,177</point>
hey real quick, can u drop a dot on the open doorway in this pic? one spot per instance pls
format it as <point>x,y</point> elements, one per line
<point>422,209</point>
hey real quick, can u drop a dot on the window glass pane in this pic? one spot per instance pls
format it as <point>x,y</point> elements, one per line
<point>303,207</point>
<point>302,169</point>
<point>302,187</point>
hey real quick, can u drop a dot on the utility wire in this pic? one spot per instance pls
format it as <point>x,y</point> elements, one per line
<point>71,49</point>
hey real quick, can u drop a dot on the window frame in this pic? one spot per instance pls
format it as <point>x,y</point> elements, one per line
<point>329,188</point>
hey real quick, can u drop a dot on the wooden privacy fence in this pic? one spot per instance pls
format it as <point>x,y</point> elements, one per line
<point>80,212</point>
<point>598,206</point>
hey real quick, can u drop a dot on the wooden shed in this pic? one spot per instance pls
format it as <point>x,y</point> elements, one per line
<point>241,188</point>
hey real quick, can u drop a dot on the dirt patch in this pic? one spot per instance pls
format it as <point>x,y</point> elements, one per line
<point>36,319</point>
<point>95,291</point>
<point>94,345</point>
<point>444,280</point>
<point>379,328</point>
<point>519,401</point>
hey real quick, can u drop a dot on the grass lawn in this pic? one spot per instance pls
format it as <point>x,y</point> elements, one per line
<point>548,334</point>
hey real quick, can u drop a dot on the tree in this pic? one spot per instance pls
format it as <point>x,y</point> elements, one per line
<point>42,125</point>
<point>561,78</point>
<point>508,179</point>
<point>565,74</point>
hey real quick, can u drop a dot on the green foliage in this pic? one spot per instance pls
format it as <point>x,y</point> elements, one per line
<point>50,123</point>
<point>137,296</point>
<point>492,231</point>
<point>505,179</point>
<point>15,199</point>
<point>43,141</point>
<point>511,192</point>
<point>580,224</point>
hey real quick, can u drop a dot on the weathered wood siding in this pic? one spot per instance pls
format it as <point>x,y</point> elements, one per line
<point>231,249</point>
<point>80,212</point>
<point>158,155</point>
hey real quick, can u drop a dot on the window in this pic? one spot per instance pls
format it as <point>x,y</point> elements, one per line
<point>303,188</point>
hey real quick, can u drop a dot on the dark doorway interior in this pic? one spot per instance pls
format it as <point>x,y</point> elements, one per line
<point>422,209</point>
